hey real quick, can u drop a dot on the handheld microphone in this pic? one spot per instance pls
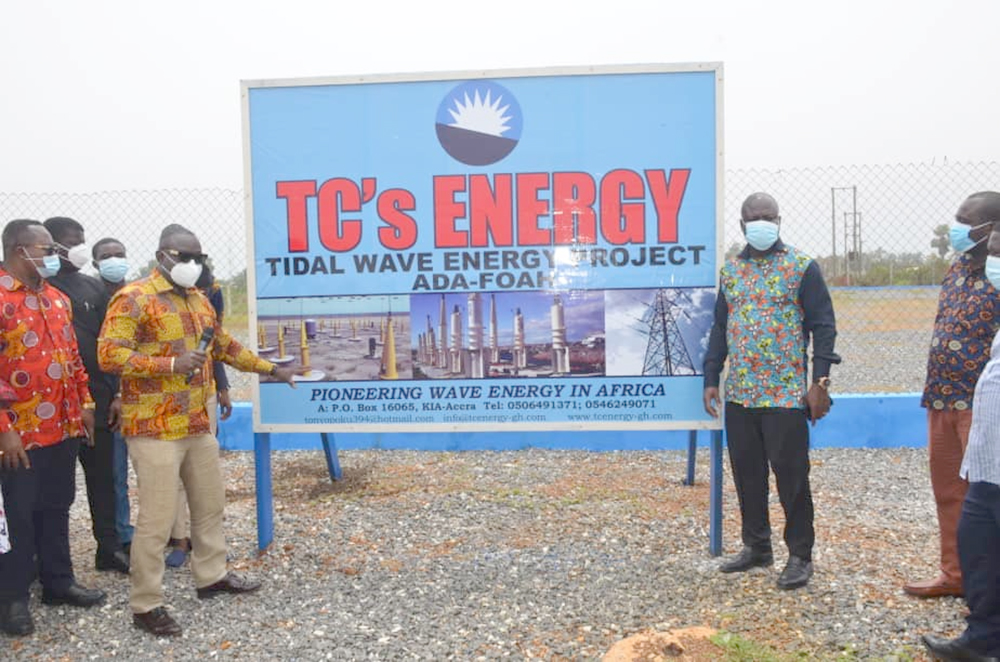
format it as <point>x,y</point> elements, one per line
<point>206,339</point>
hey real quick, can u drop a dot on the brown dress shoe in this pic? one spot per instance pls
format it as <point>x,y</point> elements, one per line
<point>231,583</point>
<point>941,587</point>
<point>157,622</point>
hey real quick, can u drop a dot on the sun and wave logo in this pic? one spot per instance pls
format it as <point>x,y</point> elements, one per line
<point>479,123</point>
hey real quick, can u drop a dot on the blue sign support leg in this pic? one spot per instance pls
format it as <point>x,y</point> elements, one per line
<point>265,495</point>
<point>692,452</point>
<point>332,463</point>
<point>715,496</point>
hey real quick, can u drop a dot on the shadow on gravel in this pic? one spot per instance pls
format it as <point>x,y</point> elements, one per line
<point>304,478</point>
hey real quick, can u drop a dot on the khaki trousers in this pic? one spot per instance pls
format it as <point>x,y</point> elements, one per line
<point>948,435</point>
<point>182,523</point>
<point>160,467</point>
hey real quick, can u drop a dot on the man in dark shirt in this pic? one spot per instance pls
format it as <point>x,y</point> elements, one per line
<point>772,298</point>
<point>111,262</point>
<point>90,301</point>
<point>964,327</point>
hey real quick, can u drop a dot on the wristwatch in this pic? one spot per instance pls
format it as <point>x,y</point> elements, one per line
<point>823,382</point>
<point>273,371</point>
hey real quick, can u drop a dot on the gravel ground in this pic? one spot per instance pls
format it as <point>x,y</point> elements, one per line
<point>533,554</point>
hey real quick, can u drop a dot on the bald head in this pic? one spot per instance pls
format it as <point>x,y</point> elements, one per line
<point>759,206</point>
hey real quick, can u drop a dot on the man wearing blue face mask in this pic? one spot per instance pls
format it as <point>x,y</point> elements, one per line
<point>967,320</point>
<point>111,262</point>
<point>772,299</point>
<point>90,302</point>
<point>41,427</point>
<point>979,526</point>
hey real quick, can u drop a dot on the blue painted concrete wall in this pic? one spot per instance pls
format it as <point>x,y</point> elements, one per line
<point>856,421</point>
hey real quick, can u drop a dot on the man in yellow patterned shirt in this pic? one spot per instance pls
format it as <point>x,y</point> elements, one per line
<point>151,338</point>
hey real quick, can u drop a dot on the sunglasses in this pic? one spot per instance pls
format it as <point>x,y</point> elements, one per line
<point>48,249</point>
<point>182,256</point>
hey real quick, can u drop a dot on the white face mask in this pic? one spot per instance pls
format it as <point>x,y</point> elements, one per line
<point>79,255</point>
<point>185,274</point>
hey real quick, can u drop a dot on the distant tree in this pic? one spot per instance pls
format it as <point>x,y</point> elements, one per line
<point>148,269</point>
<point>941,241</point>
<point>733,250</point>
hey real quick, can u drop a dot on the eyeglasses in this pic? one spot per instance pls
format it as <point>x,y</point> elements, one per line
<point>182,256</point>
<point>48,249</point>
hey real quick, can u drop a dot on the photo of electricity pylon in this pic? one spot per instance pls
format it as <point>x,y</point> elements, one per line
<point>658,332</point>
<point>666,353</point>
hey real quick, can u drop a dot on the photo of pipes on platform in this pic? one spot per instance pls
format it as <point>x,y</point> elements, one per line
<point>507,334</point>
<point>349,338</point>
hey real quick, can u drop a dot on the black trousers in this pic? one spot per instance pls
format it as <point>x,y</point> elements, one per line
<point>99,470</point>
<point>978,541</point>
<point>37,502</point>
<point>779,438</point>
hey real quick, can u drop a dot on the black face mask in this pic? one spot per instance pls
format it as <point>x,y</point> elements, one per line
<point>206,278</point>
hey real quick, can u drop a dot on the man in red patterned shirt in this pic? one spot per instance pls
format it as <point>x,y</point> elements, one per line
<point>40,433</point>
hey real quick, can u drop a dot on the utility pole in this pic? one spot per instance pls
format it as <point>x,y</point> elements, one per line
<point>833,224</point>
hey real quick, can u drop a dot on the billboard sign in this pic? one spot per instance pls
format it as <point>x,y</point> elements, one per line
<point>531,249</point>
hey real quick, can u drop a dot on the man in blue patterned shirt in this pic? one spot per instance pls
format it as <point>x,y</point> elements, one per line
<point>979,526</point>
<point>772,300</point>
<point>967,320</point>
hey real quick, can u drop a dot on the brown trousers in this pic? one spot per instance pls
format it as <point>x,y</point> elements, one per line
<point>948,435</point>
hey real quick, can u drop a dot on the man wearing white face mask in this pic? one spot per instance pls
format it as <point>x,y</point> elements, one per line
<point>967,319</point>
<point>90,302</point>
<point>772,300</point>
<point>159,334</point>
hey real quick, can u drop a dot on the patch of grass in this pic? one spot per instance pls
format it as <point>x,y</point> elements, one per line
<point>737,649</point>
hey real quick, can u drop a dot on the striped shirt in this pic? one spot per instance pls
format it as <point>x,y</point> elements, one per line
<point>982,455</point>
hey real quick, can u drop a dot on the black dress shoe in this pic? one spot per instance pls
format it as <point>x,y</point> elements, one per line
<point>117,561</point>
<point>157,622</point>
<point>231,583</point>
<point>75,595</point>
<point>953,649</point>
<point>796,573</point>
<point>747,558</point>
<point>15,619</point>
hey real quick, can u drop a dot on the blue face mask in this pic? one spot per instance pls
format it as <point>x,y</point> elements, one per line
<point>49,266</point>
<point>761,234</point>
<point>113,269</point>
<point>959,233</point>
<point>993,270</point>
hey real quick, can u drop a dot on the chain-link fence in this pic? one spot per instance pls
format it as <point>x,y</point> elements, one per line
<point>880,233</point>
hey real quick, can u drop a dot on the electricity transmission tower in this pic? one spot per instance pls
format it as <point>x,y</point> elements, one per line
<point>666,353</point>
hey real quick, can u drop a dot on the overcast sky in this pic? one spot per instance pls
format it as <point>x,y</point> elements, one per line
<point>126,95</point>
